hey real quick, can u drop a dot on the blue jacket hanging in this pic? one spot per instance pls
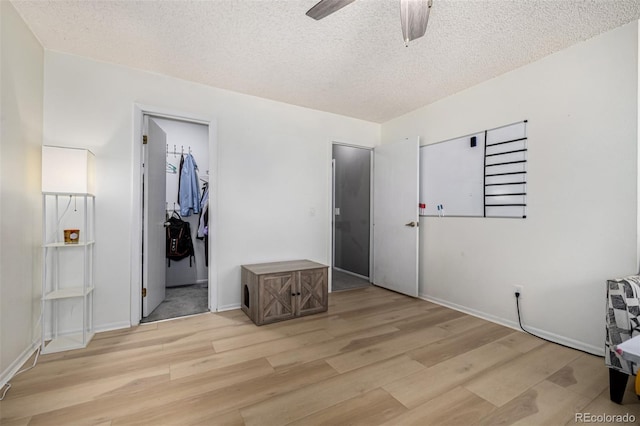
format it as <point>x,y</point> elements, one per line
<point>189,189</point>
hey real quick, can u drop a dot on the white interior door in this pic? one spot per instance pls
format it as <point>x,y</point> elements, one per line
<point>155,187</point>
<point>395,216</point>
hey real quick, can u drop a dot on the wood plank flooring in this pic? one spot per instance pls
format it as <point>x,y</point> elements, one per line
<point>375,358</point>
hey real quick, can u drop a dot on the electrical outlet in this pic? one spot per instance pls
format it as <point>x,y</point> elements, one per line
<point>517,289</point>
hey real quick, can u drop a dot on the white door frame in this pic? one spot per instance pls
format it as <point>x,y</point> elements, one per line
<point>331,209</point>
<point>139,111</point>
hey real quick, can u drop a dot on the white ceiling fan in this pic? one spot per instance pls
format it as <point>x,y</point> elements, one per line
<point>414,15</point>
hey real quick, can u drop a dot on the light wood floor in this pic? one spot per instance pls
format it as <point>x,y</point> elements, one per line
<point>375,358</point>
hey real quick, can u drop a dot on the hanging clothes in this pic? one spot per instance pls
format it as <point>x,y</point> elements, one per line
<point>203,223</point>
<point>180,176</point>
<point>189,191</point>
<point>204,207</point>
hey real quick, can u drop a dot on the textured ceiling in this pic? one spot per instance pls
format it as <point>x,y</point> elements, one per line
<point>353,62</point>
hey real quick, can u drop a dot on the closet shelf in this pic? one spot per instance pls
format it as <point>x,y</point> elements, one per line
<point>65,293</point>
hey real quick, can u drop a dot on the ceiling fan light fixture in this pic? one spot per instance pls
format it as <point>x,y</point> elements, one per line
<point>414,16</point>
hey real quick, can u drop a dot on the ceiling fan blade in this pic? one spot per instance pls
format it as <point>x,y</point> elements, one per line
<point>326,7</point>
<point>414,15</point>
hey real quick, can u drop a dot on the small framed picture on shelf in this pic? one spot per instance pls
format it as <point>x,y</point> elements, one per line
<point>71,236</point>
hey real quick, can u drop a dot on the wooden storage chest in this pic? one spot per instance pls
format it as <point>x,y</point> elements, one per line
<point>280,291</point>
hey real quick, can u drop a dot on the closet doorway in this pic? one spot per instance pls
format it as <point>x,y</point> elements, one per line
<point>351,259</point>
<point>175,237</point>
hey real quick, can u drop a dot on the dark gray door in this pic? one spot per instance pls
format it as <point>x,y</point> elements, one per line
<point>352,203</point>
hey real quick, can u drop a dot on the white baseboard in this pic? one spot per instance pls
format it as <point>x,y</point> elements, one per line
<point>11,371</point>
<point>113,326</point>
<point>228,307</point>
<point>15,366</point>
<point>595,350</point>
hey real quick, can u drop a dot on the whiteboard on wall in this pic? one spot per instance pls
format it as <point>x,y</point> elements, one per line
<point>478,175</point>
<point>451,176</point>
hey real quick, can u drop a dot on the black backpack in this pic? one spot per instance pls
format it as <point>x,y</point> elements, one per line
<point>179,244</point>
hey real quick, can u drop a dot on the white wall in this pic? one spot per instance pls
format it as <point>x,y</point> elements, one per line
<point>192,137</point>
<point>20,206</point>
<point>273,168</point>
<point>582,107</point>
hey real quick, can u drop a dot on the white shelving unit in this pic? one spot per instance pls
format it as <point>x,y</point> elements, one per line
<point>67,278</point>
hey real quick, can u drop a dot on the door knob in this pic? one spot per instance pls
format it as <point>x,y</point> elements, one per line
<point>410,224</point>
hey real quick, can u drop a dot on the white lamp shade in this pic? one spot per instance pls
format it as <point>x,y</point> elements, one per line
<point>68,170</point>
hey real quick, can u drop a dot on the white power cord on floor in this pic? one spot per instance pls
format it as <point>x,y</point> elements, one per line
<point>7,385</point>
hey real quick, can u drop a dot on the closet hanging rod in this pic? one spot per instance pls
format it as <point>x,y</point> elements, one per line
<point>175,150</point>
<point>175,207</point>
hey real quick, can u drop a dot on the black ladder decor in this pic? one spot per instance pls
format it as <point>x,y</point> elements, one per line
<point>505,171</point>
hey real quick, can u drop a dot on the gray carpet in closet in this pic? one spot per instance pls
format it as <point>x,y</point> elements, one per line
<point>180,301</point>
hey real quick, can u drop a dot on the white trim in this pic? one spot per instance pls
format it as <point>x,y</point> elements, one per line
<point>371,233</point>
<point>330,215</point>
<point>14,367</point>
<point>139,111</point>
<point>333,215</point>
<point>177,318</point>
<point>136,217</point>
<point>596,350</point>
<point>229,307</point>
<point>112,326</point>
<point>174,114</point>
<point>638,159</point>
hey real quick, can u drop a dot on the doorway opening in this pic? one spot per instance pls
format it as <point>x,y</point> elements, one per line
<point>351,220</point>
<point>175,210</point>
